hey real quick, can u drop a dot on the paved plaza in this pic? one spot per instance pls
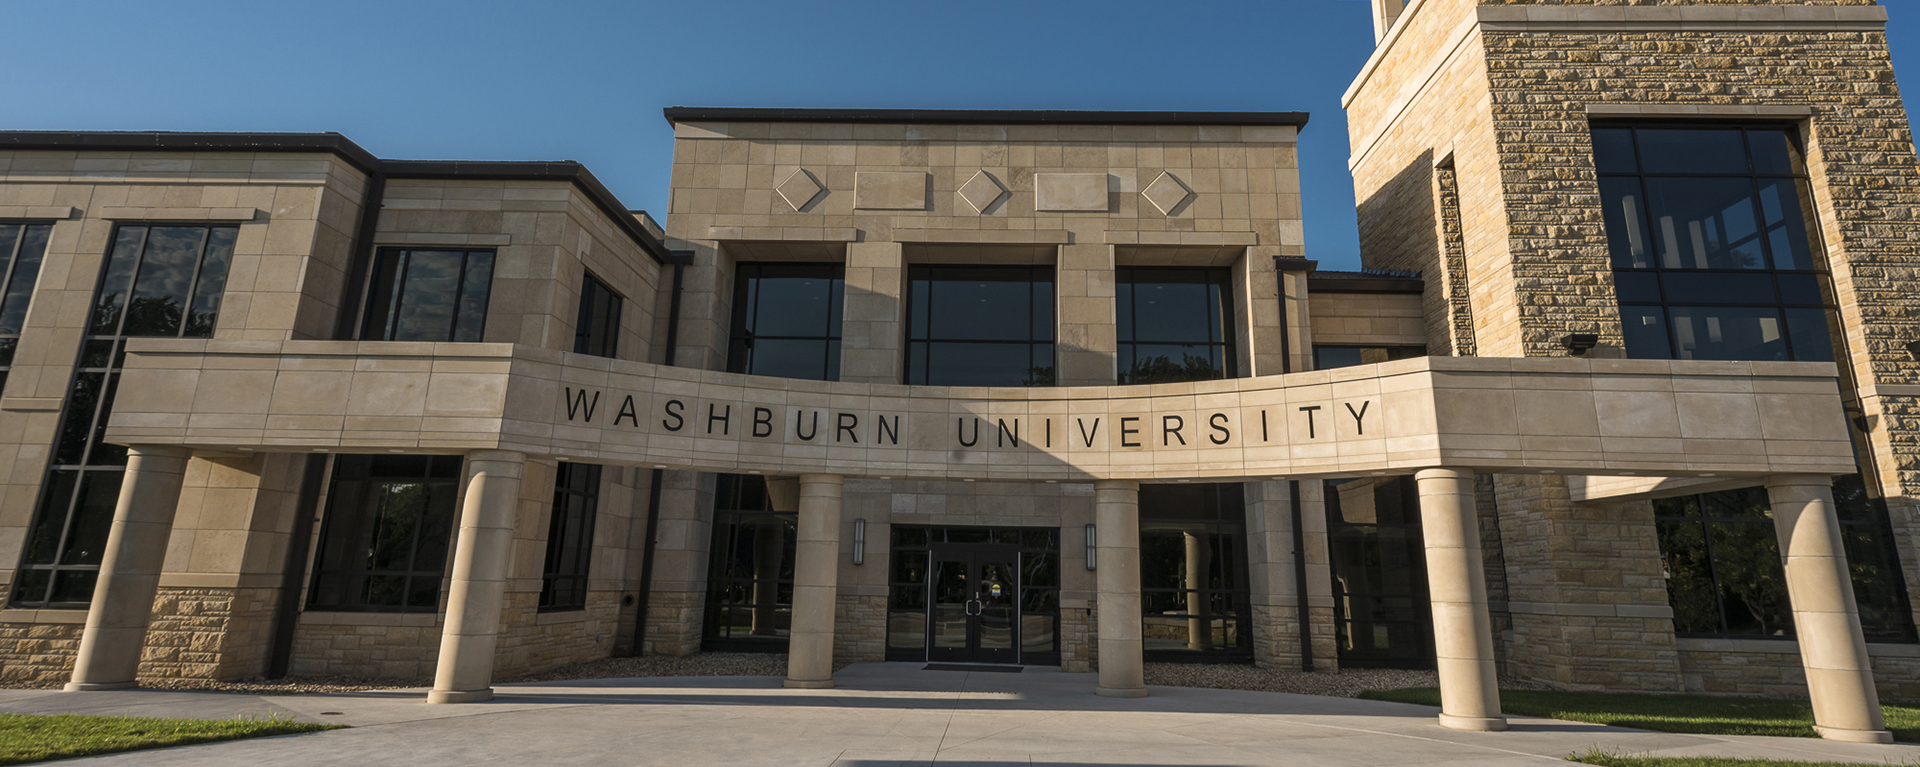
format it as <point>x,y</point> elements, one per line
<point>884,714</point>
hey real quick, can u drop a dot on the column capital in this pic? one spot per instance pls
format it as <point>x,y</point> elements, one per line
<point>1116,484</point>
<point>822,479</point>
<point>1797,480</point>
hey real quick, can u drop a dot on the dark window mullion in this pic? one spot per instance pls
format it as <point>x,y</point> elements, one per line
<point>193,283</point>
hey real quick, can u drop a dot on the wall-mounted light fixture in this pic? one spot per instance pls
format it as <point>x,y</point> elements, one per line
<point>860,541</point>
<point>1578,344</point>
<point>1093,545</point>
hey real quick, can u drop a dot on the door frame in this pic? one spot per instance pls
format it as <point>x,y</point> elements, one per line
<point>974,555</point>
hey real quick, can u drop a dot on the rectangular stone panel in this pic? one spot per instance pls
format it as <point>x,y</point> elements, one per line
<point>890,190</point>
<point>1070,192</point>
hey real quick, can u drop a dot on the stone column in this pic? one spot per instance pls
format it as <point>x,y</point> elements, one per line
<point>1199,621</point>
<point>816,582</point>
<point>1457,584</point>
<point>1116,519</point>
<point>1839,677</point>
<point>130,569</point>
<point>481,563</point>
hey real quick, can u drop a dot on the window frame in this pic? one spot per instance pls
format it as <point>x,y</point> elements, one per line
<point>103,355</point>
<point>1413,351</point>
<point>746,312</point>
<point>603,341</point>
<point>1220,317</point>
<point>330,518</point>
<point>566,532</point>
<point>1228,524</point>
<point>1034,333</point>
<point>388,327</point>
<point>10,342</point>
<point>716,634</point>
<point>1816,253</point>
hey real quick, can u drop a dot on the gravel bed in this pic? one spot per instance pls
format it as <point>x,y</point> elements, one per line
<point>697,664</point>
<point>1346,683</point>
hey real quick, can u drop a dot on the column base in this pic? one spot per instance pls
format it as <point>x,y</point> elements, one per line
<point>808,684</point>
<point>1854,736</point>
<point>96,686</point>
<point>1120,692</point>
<point>1474,723</point>
<point>460,696</point>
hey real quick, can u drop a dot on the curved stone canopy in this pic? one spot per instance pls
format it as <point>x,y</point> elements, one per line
<point>1548,415</point>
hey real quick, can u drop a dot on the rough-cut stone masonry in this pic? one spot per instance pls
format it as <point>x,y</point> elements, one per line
<point>860,628</point>
<point>1707,668</point>
<point>1861,159</point>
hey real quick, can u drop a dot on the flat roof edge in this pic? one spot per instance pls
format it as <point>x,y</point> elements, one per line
<point>677,115</point>
<point>344,148</point>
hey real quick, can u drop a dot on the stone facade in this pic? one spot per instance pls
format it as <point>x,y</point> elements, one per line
<point>1473,164</point>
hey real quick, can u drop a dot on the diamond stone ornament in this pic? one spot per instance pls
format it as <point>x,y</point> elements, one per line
<point>1166,193</point>
<point>799,188</point>
<point>982,191</point>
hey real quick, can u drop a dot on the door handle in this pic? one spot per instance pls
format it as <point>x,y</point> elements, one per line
<point>973,607</point>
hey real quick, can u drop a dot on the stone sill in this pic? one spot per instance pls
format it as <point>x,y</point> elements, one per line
<point>321,618</point>
<point>1783,647</point>
<point>43,616</point>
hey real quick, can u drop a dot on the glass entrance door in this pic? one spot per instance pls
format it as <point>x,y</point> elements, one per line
<point>974,606</point>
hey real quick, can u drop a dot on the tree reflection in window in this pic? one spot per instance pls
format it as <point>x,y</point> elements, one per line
<point>1721,559</point>
<point>1174,323</point>
<point>387,533</point>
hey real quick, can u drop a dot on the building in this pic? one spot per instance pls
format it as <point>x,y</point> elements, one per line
<point>1050,388</point>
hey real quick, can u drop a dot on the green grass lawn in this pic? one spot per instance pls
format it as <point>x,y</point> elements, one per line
<point>1610,760</point>
<point>1705,714</point>
<point>33,738</point>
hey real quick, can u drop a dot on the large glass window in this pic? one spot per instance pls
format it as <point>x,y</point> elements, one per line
<point>159,281</point>
<point>750,570</point>
<point>428,295</point>
<point>22,248</point>
<point>1193,571</point>
<point>1714,258</point>
<point>1712,255</point>
<point>980,325</point>
<point>1381,614</point>
<point>1721,559</point>
<point>576,498</point>
<point>1174,323</point>
<point>384,543</point>
<point>786,320</point>
<point>597,331</point>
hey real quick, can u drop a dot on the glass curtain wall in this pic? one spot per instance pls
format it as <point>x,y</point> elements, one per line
<point>1174,323</point>
<point>1715,258</point>
<point>1381,615</point>
<point>159,281</point>
<point>750,569</point>
<point>387,533</point>
<point>980,325</point>
<point>1193,572</point>
<point>786,320</point>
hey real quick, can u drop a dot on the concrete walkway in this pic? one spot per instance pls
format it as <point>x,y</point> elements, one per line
<point>884,714</point>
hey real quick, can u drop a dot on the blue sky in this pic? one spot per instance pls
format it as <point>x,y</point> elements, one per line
<point>586,81</point>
